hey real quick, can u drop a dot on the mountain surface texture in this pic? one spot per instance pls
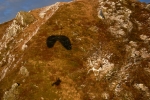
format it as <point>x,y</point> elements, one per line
<point>96,50</point>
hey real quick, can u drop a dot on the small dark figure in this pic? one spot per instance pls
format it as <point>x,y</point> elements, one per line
<point>101,14</point>
<point>57,82</point>
<point>18,84</point>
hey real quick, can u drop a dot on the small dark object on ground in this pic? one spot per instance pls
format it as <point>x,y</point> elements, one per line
<point>18,84</point>
<point>57,82</point>
<point>64,40</point>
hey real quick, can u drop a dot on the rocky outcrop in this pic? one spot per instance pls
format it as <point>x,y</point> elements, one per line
<point>148,7</point>
<point>24,18</point>
<point>11,94</point>
<point>107,54</point>
<point>24,71</point>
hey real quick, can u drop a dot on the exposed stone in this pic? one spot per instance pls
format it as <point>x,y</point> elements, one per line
<point>142,87</point>
<point>99,63</point>
<point>105,95</point>
<point>132,43</point>
<point>101,15</point>
<point>12,29</point>
<point>53,7</point>
<point>145,37</point>
<point>144,53</point>
<point>24,46</point>
<point>120,18</point>
<point>11,94</point>
<point>94,28</point>
<point>24,18</point>
<point>148,7</point>
<point>107,59</point>
<point>24,71</point>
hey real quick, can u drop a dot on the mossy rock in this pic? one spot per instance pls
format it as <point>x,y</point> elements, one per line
<point>25,18</point>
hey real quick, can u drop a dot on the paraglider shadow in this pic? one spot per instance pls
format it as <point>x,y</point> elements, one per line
<point>64,40</point>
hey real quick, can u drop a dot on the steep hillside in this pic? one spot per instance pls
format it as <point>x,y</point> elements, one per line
<point>109,57</point>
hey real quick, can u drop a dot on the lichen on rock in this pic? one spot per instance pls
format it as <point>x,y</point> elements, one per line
<point>148,7</point>
<point>109,58</point>
<point>24,18</point>
<point>12,94</point>
<point>99,63</point>
<point>118,16</point>
<point>23,71</point>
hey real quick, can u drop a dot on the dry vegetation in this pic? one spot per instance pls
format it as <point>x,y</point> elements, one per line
<point>88,34</point>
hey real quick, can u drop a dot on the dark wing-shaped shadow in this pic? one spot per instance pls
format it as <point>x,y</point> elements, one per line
<point>64,40</point>
<point>51,40</point>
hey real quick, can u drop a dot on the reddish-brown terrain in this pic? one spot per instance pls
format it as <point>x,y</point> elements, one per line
<point>109,59</point>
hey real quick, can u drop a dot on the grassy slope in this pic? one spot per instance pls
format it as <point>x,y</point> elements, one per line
<point>44,64</point>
